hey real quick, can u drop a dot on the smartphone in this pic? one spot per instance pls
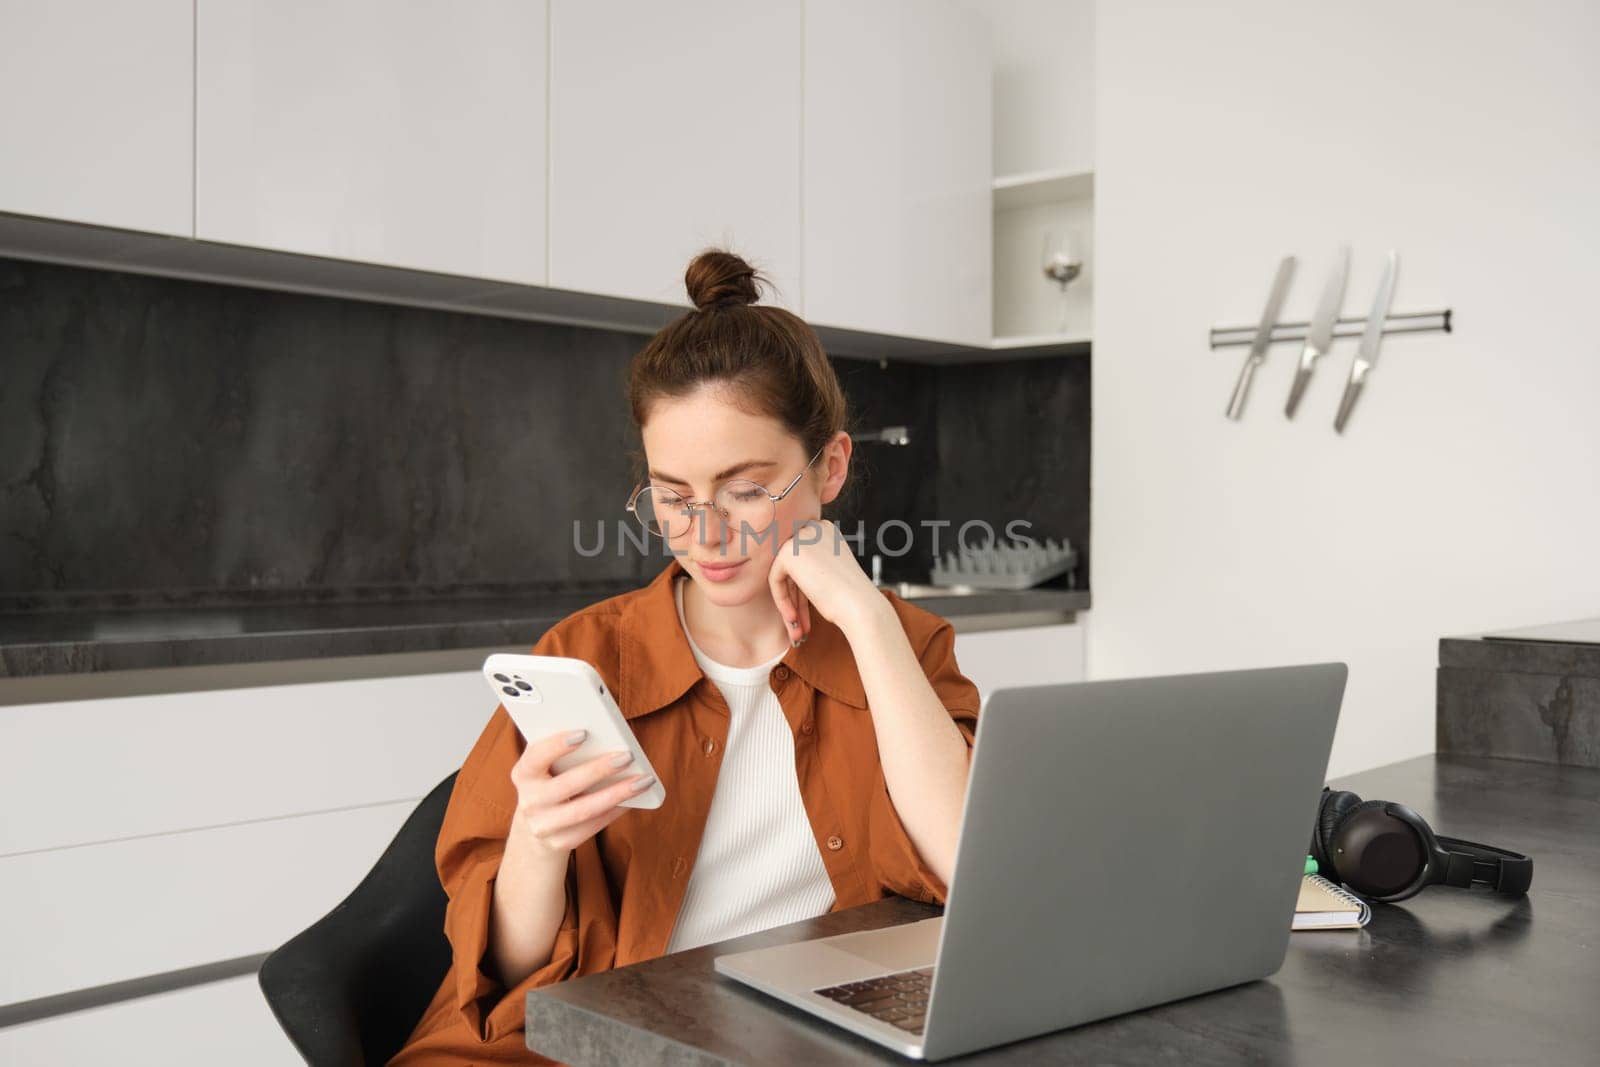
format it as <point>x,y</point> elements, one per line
<point>547,695</point>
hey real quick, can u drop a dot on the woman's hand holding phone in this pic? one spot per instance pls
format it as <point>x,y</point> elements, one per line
<point>570,785</point>
<point>554,808</point>
<point>554,816</point>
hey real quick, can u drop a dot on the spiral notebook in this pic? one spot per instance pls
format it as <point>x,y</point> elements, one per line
<point>1325,906</point>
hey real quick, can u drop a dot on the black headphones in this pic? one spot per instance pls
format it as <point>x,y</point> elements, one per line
<point>1386,852</point>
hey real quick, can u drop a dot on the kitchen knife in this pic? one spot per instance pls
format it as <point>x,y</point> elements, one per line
<point>1320,337</point>
<point>1258,346</point>
<point>1371,337</point>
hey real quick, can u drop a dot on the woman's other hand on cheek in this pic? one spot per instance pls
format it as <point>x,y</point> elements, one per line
<point>816,566</point>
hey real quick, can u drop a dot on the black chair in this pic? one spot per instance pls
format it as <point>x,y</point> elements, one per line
<point>349,989</point>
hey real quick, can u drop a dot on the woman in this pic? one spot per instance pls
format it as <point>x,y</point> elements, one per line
<point>812,731</point>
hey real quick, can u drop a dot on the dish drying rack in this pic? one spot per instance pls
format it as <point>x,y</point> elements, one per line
<point>1006,565</point>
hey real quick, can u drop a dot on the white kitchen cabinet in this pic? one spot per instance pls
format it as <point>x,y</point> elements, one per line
<point>97,112</point>
<point>108,912</point>
<point>1024,655</point>
<point>897,176</point>
<point>225,1022</point>
<point>173,830</point>
<point>1044,64</point>
<point>673,127</point>
<point>409,135</point>
<point>171,762</point>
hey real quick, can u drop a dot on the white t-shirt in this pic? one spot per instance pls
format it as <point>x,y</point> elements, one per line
<point>758,864</point>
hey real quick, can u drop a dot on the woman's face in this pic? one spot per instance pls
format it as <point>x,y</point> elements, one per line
<point>696,443</point>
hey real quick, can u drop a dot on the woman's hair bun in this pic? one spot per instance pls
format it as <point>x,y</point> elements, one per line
<point>718,278</point>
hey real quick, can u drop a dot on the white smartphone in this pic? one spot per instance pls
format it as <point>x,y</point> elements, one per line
<point>547,695</point>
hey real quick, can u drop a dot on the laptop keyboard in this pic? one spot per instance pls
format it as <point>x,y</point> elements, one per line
<point>900,999</point>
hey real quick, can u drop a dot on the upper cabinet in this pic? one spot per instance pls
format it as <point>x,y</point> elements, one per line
<point>1043,86</point>
<point>897,169</point>
<point>673,127</point>
<point>570,155</point>
<point>97,112</point>
<point>409,135</point>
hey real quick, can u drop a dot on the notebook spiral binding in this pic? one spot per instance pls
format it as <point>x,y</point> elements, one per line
<point>1339,891</point>
<point>1345,895</point>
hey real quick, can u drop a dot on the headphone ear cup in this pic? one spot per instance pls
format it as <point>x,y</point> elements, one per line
<point>1382,853</point>
<point>1335,805</point>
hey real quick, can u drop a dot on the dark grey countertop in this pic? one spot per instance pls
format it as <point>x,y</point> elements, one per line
<point>1557,648</point>
<point>74,642</point>
<point>1450,976</point>
<point>33,644</point>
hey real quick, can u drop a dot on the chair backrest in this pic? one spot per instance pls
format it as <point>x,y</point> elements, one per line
<point>350,988</point>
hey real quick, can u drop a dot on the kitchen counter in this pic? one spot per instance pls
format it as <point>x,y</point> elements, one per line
<point>1529,694</point>
<point>35,644</point>
<point>1554,649</point>
<point>1448,977</point>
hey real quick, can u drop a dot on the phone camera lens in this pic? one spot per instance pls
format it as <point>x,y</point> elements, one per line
<point>510,691</point>
<point>524,686</point>
<point>501,678</point>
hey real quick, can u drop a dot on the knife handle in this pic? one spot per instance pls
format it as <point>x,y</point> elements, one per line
<point>1241,387</point>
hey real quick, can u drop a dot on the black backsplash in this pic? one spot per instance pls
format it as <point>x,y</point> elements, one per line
<point>165,440</point>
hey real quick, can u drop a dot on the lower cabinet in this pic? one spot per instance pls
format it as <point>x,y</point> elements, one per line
<point>153,833</point>
<point>93,915</point>
<point>1026,655</point>
<point>224,1022</point>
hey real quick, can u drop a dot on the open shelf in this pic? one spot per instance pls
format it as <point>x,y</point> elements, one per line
<point>1041,187</point>
<point>1032,315</point>
<point>1039,340</point>
<point>1041,344</point>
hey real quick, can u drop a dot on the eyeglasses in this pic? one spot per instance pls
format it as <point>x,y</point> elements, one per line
<point>744,505</point>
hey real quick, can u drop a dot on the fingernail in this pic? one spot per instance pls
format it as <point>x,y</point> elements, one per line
<point>642,784</point>
<point>622,759</point>
<point>576,737</point>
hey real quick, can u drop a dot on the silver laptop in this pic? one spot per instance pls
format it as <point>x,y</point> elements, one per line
<point>1123,844</point>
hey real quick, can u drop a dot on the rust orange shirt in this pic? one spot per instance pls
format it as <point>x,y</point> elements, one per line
<point>625,885</point>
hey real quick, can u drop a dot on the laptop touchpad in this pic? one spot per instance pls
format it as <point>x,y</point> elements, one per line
<point>897,948</point>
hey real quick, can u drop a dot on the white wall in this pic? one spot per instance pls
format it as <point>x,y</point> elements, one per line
<point>1464,495</point>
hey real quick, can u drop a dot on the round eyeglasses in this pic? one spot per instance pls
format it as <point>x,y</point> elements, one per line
<point>745,506</point>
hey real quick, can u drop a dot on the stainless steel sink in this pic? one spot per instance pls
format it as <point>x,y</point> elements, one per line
<point>916,590</point>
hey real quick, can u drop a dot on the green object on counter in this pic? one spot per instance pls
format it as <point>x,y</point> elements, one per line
<point>1311,865</point>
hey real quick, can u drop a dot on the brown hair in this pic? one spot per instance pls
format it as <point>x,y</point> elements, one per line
<point>767,356</point>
